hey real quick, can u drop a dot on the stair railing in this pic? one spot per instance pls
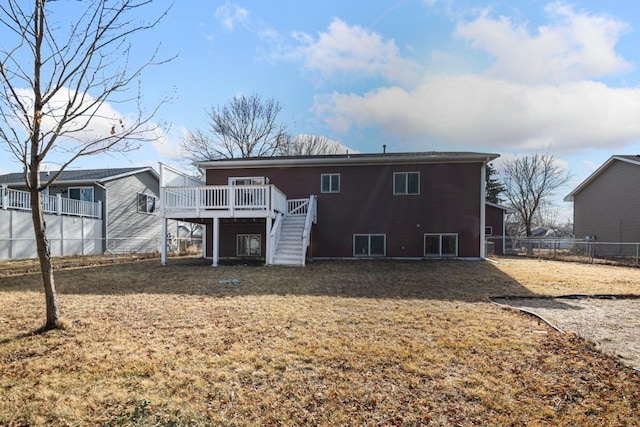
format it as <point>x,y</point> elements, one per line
<point>311,218</point>
<point>274,236</point>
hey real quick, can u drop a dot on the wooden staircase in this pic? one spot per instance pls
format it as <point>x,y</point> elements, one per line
<point>289,249</point>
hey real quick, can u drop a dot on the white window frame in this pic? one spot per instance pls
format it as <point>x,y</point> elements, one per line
<point>369,236</point>
<point>488,230</point>
<point>406,186</point>
<point>440,236</point>
<point>80,189</point>
<point>253,180</point>
<point>330,189</point>
<point>250,237</point>
<point>147,197</point>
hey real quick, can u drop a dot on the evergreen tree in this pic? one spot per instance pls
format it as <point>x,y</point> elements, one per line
<point>494,186</point>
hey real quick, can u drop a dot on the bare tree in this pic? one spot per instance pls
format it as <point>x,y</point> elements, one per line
<point>245,126</point>
<point>528,183</point>
<point>308,145</point>
<point>57,83</point>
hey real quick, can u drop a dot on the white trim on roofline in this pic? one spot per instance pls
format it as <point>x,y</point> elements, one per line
<point>134,172</point>
<point>349,159</point>
<point>569,197</point>
<point>502,207</point>
<point>91,181</point>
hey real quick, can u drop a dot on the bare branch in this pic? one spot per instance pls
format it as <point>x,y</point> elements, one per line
<point>528,183</point>
<point>244,127</point>
<point>57,85</point>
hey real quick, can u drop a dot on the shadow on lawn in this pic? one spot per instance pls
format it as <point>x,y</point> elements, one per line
<point>452,280</point>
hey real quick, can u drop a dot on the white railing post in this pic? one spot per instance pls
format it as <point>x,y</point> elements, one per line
<point>58,204</point>
<point>198,201</point>
<point>232,198</point>
<point>4,196</point>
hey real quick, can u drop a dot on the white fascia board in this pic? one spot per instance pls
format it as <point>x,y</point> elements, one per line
<point>135,172</point>
<point>345,161</point>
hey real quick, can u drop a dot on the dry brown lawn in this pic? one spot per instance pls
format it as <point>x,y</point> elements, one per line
<point>335,343</point>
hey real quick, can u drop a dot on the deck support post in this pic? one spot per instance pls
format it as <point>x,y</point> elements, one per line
<point>268,258</point>
<point>163,250</point>
<point>215,239</point>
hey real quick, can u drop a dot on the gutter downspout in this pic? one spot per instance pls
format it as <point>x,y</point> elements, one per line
<point>483,184</point>
<point>105,217</point>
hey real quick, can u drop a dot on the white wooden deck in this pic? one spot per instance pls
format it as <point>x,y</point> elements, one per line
<point>57,205</point>
<point>223,201</point>
<point>183,197</point>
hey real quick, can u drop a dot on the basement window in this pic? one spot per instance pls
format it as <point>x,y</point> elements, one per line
<point>365,245</point>
<point>441,245</point>
<point>248,245</point>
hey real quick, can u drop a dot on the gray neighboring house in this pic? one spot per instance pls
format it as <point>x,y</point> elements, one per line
<point>606,205</point>
<point>119,207</point>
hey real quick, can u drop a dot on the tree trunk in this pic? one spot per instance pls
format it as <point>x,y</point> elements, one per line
<point>44,255</point>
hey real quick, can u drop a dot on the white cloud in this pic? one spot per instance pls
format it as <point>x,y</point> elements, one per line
<point>96,126</point>
<point>480,111</point>
<point>573,46</point>
<point>540,93</point>
<point>168,146</point>
<point>230,14</point>
<point>353,50</point>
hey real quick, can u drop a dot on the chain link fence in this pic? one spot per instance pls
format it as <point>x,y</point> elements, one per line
<point>579,250</point>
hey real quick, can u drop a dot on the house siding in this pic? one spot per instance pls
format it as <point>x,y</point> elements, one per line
<point>449,202</point>
<point>129,230</point>
<point>494,218</point>
<point>609,206</point>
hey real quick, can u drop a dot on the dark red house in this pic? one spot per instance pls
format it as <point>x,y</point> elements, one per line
<point>494,231</point>
<point>284,210</point>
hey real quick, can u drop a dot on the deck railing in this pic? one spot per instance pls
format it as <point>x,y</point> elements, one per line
<point>297,206</point>
<point>21,200</point>
<point>223,197</point>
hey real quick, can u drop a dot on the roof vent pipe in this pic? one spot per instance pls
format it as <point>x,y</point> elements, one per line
<point>384,148</point>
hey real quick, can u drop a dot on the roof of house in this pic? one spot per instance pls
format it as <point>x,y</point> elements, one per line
<point>507,209</point>
<point>79,176</point>
<point>632,159</point>
<point>347,159</point>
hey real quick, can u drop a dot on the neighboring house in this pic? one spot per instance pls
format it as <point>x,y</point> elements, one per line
<point>494,232</point>
<point>606,205</point>
<point>285,209</point>
<point>87,212</point>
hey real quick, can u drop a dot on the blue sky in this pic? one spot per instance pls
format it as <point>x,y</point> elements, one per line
<point>510,77</point>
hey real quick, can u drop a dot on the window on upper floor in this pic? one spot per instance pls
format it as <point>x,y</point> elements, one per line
<point>146,203</point>
<point>84,194</point>
<point>330,183</point>
<point>406,183</point>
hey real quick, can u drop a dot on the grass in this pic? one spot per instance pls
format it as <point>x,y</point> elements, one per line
<point>335,343</point>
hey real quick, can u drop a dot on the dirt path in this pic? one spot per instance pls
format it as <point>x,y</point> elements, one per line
<point>613,324</point>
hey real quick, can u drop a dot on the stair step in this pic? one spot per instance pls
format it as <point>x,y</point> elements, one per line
<point>289,249</point>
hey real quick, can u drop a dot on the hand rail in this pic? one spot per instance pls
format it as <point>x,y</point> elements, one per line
<point>311,217</point>
<point>275,235</point>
